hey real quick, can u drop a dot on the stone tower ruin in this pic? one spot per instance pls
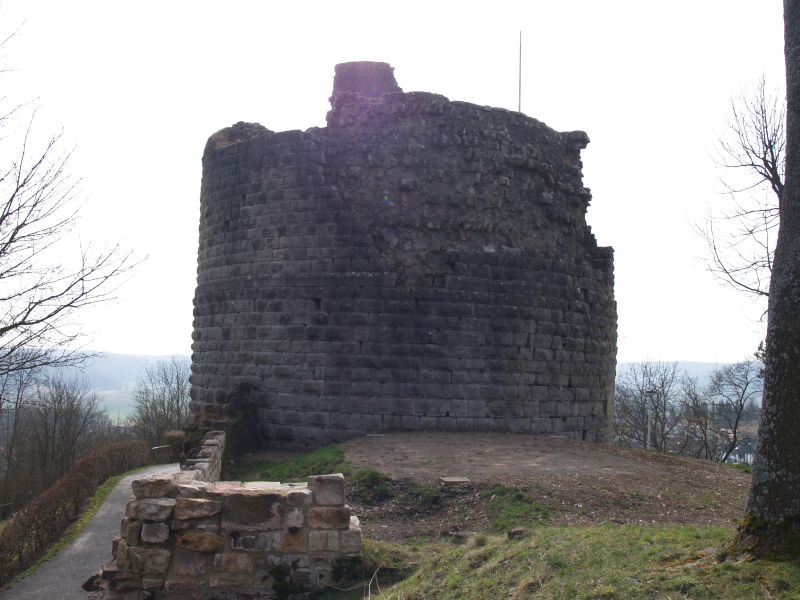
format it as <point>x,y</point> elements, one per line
<point>417,264</point>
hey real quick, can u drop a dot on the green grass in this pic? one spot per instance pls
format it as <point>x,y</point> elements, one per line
<point>512,507</point>
<point>372,485</point>
<point>591,562</point>
<point>744,468</point>
<point>329,459</point>
<point>77,527</point>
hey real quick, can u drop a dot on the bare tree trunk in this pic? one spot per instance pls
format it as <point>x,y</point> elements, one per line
<point>771,525</point>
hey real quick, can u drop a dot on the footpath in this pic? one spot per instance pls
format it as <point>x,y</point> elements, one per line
<point>61,577</point>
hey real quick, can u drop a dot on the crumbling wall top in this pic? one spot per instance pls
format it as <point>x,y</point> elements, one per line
<point>365,78</point>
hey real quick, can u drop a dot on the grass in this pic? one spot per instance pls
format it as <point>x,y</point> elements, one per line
<point>329,459</point>
<point>372,485</point>
<point>590,562</point>
<point>77,527</point>
<point>512,507</point>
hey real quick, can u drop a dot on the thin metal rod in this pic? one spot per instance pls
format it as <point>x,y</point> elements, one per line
<point>519,96</point>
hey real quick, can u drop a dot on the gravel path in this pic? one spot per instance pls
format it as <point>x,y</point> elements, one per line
<point>61,578</point>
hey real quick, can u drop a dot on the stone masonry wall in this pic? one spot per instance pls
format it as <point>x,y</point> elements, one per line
<point>184,537</point>
<point>416,264</point>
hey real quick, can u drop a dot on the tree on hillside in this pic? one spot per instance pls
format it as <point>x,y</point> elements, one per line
<point>741,239</point>
<point>733,391</point>
<point>161,399</point>
<point>636,409</point>
<point>771,524</point>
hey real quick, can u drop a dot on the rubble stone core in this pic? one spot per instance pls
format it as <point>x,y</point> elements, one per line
<point>417,264</point>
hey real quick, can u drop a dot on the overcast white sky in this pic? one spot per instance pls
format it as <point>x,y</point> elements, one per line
<point>139,86</point>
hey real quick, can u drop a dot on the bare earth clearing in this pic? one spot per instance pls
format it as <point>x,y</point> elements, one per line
<point>580,483</point>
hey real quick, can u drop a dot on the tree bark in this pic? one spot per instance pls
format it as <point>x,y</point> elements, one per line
<point>771,526</point>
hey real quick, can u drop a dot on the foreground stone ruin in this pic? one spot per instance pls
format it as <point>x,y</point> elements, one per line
<point>191,537</point>
<point>416,264</point>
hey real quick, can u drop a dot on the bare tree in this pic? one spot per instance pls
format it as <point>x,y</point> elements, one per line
<point>732,392</point>
<point>39,291</point>
<point>161,398</point>
<point>701,435</point>
<point>634,407</point>
<point>741,239</point>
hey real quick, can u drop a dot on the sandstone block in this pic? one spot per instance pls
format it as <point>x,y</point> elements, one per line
<point>328,490</point>
<point>322,540</point>
<point>152,583</point>
<point>148,561</point>
<point>154,533</point>
<point>178,585</point>
<point>329,517</point>
<point>154,487</point>
<point>233,563</point>
<point>187,562</point>
<point>255,542</point>
<point>294,541</point>
<point>251,511</point>
<point>351,541</point>
<point>230,581</point>
<point>209,524</point>
<point>153,509</point>
<point>304,578</point>
<point>200,541</point>
<point>300,496</point>
<point>196,508</point>
<point>295,517</point>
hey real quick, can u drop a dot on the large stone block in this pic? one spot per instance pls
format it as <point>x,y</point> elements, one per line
<point>329,517</point>
<point>154,487</point>
<point>154,533</point>
<point>196,508</point>
<point>328,490</point>
<point>233,563</point>
<point>151,509</point>
<point>147,561</point>
<point>189,563</point>
<point>200,541</point>
<point>252,511</point>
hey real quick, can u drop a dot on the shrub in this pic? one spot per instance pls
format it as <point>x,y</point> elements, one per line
<point>33,528</point>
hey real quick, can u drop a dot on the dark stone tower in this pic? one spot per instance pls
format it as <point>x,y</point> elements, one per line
<point>416,264</point>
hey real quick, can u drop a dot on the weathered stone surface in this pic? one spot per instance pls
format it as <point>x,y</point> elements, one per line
<point>201,541</point>
<point>294,541</point>
<point>230,581</point>
<point>196,508</point>
<point>251,511</point>
<point>187,562</point>
<point>328,490</point>
<point>151,509</point>
<point>329,517</point>
<point>323,541</point>
<point>183,585</point>
<point>444,279</point>
<point>209,524</point>
<point>233,562</point>
<point>295,517</point>
<point>147,561</point>
<point>154,533</point>
<point>350,539</point>
<point>152,583</point>
<point>255,542</point>
<point>154,487</point>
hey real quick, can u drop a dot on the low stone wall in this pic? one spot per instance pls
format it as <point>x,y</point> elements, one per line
<point>186,538</point>
<point>207,463</point>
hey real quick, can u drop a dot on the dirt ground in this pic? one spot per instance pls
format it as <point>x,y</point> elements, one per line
<point>579,483</point>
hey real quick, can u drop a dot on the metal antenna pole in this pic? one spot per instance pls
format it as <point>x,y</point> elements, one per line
<point>519,95</point>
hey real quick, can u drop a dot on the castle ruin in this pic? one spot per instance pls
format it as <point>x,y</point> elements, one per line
<point>417,264</point>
